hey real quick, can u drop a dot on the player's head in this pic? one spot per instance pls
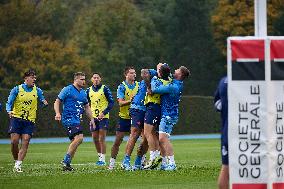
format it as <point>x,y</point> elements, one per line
<point>145,74</point>
<point>181,73</point>
<point>158,68</point>
<point>164,71</point>
<point>96,78</point>
<point>79,79</point>
<point>130,73</point>
<point>30,77</point>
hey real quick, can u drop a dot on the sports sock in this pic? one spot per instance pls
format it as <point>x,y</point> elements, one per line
<point>171,159</point>
<point>67,159</point>
<point>18,163</point>
<point>112,161</point>
<point>164,160</point>
<point>144,157</point>
<point>103,157</point>
<point>100,156</point>
<point>152,155</point>
<point>138,160</point>
<point>157,153</point>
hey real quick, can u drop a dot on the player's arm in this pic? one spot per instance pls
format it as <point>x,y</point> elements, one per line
<point>110,100</point>
<point>121,96</point>
<point>90,115</point>
<point>217,99</point>
<point>41,97</point>
<point>87,92</point>
<point>57,109</point>
<point>11,99</point>
<point>62,95</point>
<point>159,88</point>
<point>123,102</point>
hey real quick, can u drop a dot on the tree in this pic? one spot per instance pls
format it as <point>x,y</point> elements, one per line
<point>236,18</point>
<point>114,34</point>
<point>187,40</point>
<point>53,62</point>
<point>39,17</point>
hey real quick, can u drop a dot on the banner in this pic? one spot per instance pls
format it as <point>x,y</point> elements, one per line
<point>276,95</point>
<point>255,96</point>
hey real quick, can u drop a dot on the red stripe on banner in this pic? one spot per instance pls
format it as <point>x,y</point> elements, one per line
<point>249,186</point>
<point>278,185</point>
<point>277,49</point>
<point>247,49</point>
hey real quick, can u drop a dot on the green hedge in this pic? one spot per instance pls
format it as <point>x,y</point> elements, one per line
<point>196,116</point>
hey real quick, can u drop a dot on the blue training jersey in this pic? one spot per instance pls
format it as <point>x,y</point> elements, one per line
<point>138,100</point>
<point>74,101</point>
<point>171,94</point>
<point>222,94</point>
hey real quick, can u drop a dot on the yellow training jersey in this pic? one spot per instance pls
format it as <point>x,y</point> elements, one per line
<point>124,110</point>
<point>25,105</point>
<point>156,98</point>
<point>99,101</point>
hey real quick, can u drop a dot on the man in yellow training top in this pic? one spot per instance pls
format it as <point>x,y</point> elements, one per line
<point>125,92</point>
<point>101,102</point>
<point>21,108</point>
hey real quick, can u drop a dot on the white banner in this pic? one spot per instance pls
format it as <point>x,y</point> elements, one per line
<point>256,112</point>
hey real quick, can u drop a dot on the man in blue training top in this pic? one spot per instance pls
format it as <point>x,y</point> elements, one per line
<point>101,101</point>
<point>137,114</point>
<point>153,115</point>
<point>170,99</point>
<point>21,108</point>
<point>74,100</point>
<point>221,105</point>
<point>125,93</point>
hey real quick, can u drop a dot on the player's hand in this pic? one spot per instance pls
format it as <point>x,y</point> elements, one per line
<point>45,102</point>
<point>101,116</point>
<point>10,114</point>
<point>131,98</point>
<point>58,117</point>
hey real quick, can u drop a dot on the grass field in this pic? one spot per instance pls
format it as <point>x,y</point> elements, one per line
<point>198,164</point>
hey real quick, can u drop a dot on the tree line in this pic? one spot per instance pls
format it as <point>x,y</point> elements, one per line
<point>59,37</point>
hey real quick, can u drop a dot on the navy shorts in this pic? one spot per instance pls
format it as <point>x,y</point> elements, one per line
<point>224,153</point>
<point>21,126</point>
<point>72,131</point>
<point>137,118</point>
<point>100,124</point>
<point>153,114</point>
<point>123,125</point>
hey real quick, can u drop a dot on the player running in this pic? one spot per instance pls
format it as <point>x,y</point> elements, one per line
<point>21,108</point>
<point>74,100</point>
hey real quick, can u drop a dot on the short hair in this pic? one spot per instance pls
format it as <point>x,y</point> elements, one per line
<point>126,70</point>
<point>97,73</point>
<point>78,74</point>
<point>184,72</point>
<point>30,72</point>
<point>165,71</point>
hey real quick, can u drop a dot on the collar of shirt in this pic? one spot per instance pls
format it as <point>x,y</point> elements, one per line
<point>96,87</point>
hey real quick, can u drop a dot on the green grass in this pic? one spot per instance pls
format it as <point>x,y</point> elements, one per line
<point>198,164</point>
